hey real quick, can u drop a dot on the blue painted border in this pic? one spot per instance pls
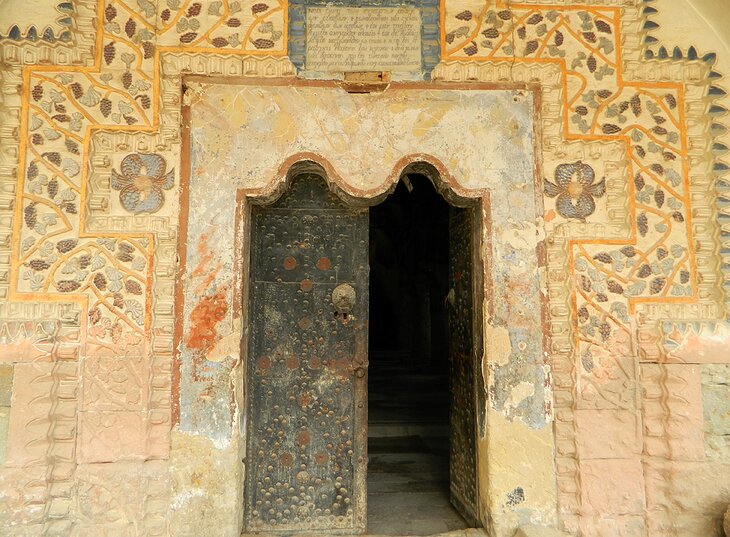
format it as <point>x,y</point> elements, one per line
<point>430,31</point>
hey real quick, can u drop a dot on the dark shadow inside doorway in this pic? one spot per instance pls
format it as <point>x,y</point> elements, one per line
<point>408,386</point>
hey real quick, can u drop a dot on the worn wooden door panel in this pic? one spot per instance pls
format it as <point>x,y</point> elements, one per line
<point>462,359</point>
<point>306,373</point>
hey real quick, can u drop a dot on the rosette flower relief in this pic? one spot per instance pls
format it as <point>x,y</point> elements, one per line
<point>141,182</point>
<point>575,188</point>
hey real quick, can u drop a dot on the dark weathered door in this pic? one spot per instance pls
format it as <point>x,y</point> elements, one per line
<point>462,359</point>
<point>307,364</point>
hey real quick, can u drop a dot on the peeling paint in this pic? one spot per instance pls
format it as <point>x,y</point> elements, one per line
<point>233,148</point>
<point>521,458</point>
<point>227,346</point>
<point>517,394</point>
<point>206,482</point>
<point>498,347</point>
<point>522,235</point>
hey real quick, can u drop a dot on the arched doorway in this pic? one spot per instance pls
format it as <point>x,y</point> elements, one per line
<point>419,376</point>
<point>307,367</point>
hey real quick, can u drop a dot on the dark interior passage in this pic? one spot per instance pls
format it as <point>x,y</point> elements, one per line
<point>408,386</point>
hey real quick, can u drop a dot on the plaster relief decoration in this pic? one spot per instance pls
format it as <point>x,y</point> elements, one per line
<point>242,26</point>
<point>142,181</point>
<point>575,190</point>
<point>46,20</point>
<point>601,105</point>
<point>627,251</point>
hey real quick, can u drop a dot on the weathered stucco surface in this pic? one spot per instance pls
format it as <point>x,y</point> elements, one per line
<point>245,137</point>
<point>120,367</point>
<point>242,138</point>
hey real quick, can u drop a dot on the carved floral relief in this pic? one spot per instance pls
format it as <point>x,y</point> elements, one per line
<point>142,182</point>
<point>576,190</point>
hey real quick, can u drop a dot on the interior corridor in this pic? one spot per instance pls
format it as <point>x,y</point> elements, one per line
<point>408,386</point>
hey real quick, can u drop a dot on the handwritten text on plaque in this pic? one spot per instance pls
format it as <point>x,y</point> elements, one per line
<point>363,39</point>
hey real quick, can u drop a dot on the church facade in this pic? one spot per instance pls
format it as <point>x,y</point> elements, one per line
<point>197,287</point>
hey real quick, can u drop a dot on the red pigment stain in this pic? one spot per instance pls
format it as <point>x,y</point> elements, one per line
<point>204,318</point>
<point>306,285</point>
<point>204,268</point>
<point>324,263</point>
<point>206,255</point>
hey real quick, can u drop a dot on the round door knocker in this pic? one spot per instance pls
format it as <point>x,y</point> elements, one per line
<point>343,299</point>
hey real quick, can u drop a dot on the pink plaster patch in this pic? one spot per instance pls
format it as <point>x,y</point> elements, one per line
<point>612,486</point>
<point>42,413</point>
<point>604,434</point>
<point>707,344</point>
<point>673,420</point>
<point>112,436</point>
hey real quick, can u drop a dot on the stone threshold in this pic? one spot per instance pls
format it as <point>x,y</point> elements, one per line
<point>469,532</point>
<point>523,531</point>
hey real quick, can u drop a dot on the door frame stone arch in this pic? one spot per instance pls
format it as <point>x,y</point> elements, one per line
<point>504,429</point>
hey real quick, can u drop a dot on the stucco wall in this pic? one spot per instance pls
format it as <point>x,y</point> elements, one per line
<point>96,388</point>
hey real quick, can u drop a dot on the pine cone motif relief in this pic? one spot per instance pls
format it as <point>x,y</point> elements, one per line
<point>141,182</point>
<point>575,188</point>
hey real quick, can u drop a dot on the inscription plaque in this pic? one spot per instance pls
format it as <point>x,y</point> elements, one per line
<point>341,39</point>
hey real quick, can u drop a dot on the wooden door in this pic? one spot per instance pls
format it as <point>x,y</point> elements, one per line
<point>462,361</point>
<point>306,461</point>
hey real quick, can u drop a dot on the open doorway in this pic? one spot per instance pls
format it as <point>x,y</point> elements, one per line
<point>307,379</point>
<point>409,373</point>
